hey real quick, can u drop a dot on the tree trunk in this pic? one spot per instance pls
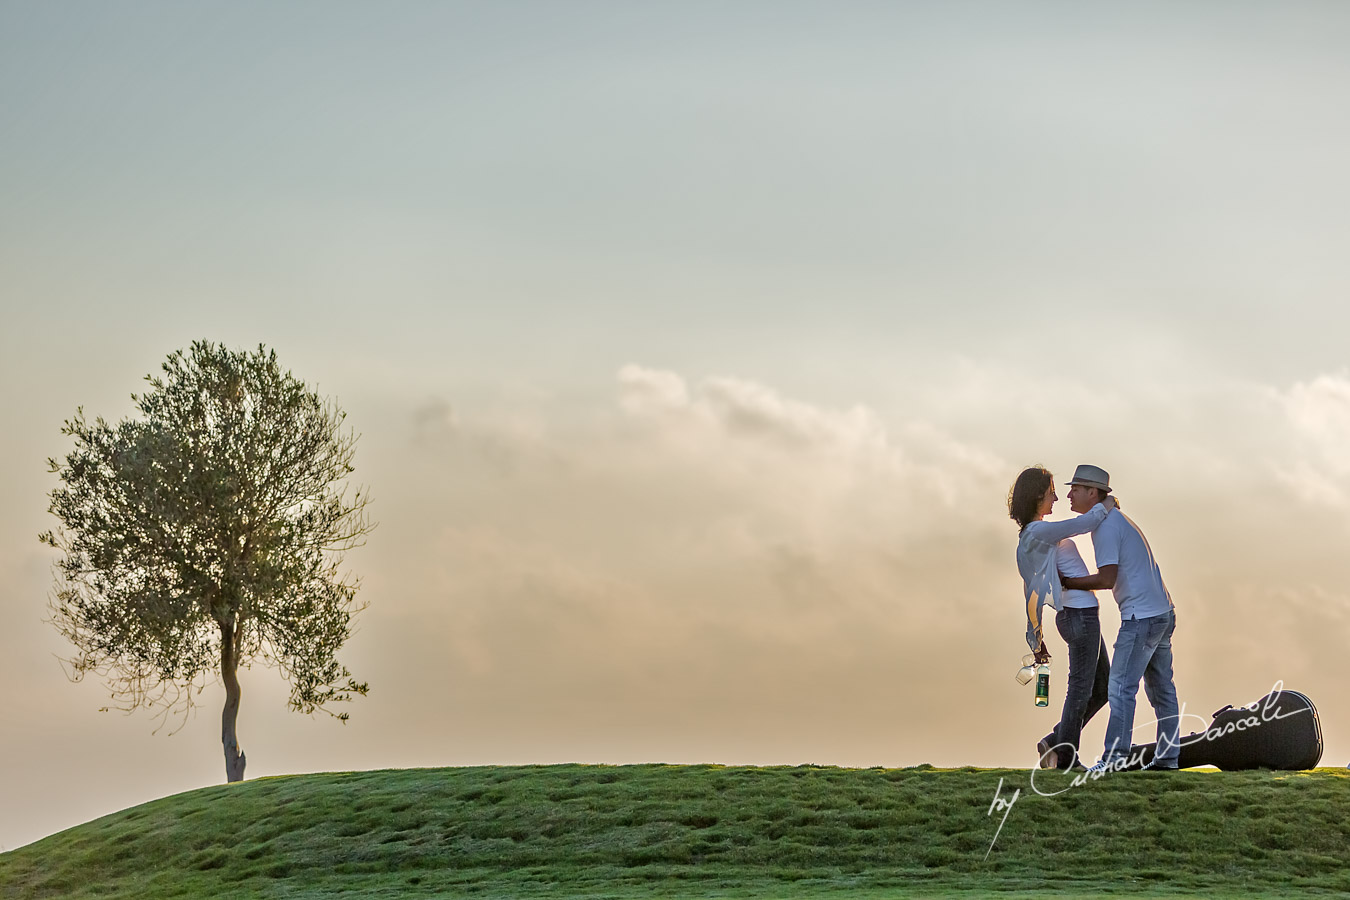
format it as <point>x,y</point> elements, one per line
<point>229,673</point>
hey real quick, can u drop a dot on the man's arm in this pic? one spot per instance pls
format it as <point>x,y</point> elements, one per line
<point>1104,580</point>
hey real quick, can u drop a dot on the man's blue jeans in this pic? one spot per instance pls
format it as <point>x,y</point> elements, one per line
<point>1143,650</point>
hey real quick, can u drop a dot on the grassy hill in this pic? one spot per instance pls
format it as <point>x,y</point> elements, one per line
<point>702,831</point>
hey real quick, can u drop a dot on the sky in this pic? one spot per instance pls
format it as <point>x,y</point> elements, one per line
<point>693,348</point>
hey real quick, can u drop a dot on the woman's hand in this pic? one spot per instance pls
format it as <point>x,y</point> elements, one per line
<point>1110,502</point>
<point>1042,655</point>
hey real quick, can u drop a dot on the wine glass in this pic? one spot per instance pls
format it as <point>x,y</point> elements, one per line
<point>1028,670</point>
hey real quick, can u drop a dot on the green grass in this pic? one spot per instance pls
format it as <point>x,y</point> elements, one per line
<point>706,831</point>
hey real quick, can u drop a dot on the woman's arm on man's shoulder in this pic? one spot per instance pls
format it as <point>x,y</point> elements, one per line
<point>1054,532</point>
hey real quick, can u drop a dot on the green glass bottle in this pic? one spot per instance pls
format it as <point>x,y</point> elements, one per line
<point>1043,685</point>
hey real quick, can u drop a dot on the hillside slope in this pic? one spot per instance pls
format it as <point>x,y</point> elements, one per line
<point>655,830</point>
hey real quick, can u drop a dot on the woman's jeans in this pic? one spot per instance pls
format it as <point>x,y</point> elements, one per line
<point>1089,676</point>
<point>1144,650</point>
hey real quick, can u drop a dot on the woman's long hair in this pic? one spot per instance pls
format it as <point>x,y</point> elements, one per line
<point>1025,497</point>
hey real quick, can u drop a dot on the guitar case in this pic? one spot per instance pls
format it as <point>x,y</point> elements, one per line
<point>1279,731</point>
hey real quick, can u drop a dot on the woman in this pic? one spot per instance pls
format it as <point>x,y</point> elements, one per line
<point>1044,553</point>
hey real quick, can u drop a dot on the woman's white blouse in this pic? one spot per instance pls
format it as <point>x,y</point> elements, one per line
<point>1036,561</point>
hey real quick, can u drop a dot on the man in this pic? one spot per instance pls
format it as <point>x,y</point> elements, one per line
<point>1143,649</point>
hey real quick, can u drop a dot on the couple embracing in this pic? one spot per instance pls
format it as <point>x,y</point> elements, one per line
<point>1054,574</point>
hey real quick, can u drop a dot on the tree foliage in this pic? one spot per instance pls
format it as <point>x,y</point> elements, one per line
<point>208,532</point>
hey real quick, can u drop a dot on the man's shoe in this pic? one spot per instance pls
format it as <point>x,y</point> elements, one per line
<point>1049,758</point>
<point>1101,767</point>
<point>1155,766</point>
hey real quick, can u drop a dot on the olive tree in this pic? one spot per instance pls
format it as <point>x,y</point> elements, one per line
<point>205,533</point>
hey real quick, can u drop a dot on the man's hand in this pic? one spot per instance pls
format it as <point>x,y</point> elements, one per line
<point>1042,655</point>
<point>1104,580</point>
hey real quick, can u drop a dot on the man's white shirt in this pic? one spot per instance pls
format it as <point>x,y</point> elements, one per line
<point>1139,589</point>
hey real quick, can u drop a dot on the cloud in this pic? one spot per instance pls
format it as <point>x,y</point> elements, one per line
<point>432,418</point>
<point>651,391</point>
<point>742,409</point>
<point>717,524</point>
<point>751,410</point>
<point>821,459</point>
<point>509,442</point>
<point>1320,409</point>
<point>1317,413</point>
